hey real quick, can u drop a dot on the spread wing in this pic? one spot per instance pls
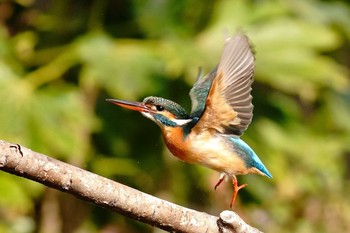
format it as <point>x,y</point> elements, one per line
<point>199,93</point>
<point>228,107</point>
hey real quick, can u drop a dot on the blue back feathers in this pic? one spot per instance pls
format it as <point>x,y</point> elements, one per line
<point>248,155</point>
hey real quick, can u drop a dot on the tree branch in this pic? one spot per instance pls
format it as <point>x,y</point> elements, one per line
<point>111,195</point>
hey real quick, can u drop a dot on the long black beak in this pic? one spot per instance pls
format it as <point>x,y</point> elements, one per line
<point>136,106</point>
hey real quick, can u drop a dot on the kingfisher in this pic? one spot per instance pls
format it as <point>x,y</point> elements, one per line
<point>221,111</point>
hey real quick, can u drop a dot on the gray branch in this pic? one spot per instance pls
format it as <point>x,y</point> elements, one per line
<point>21,161</point>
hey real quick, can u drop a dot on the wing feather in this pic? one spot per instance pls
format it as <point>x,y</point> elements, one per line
<point>199,93</point>
<point>228,107</point>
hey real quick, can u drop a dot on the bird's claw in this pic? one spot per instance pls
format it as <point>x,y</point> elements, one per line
<point>236,188</point>
<point>219,182</point>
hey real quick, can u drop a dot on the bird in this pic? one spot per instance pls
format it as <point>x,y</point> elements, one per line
<point>221,111</point>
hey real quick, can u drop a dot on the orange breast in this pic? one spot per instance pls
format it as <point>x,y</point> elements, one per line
<point>205,149</point>
<point>175,142</point>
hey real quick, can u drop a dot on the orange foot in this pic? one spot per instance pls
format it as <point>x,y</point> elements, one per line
<point>236,188</point>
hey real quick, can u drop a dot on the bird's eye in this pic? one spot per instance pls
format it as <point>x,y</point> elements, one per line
<point>159,108</point>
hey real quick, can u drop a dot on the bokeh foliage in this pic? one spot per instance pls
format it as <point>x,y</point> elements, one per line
<point>60,60</point>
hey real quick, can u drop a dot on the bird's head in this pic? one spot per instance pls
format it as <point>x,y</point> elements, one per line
<point>164,112</point>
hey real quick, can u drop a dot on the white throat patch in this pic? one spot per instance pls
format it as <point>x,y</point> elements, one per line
<point>182,122</point>
<point>179,122</point>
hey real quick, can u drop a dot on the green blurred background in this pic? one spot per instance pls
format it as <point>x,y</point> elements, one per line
<point>60,60</point>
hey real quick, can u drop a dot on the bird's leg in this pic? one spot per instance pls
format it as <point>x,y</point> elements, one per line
<point>221,179</point>
<point>236,188</point>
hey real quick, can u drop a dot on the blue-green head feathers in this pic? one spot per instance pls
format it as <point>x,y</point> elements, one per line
<point>172,107</point>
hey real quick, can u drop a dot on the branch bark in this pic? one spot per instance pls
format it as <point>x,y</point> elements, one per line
<point>21,161</point>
